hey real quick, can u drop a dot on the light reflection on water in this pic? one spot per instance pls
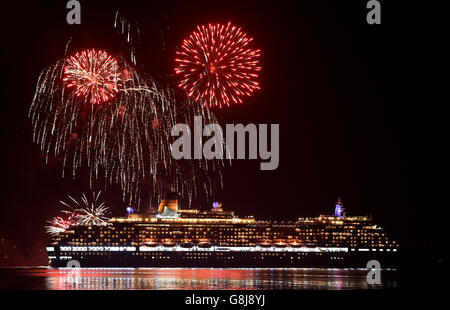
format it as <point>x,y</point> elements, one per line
<point>198,279</point>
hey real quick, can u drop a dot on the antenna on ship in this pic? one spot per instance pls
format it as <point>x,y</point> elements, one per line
<point>217,206</point>
<point>339,209</point>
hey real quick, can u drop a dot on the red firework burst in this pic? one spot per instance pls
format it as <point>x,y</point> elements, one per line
<point>59,225</point>
<point>217,65</point>
<point>94,74</point>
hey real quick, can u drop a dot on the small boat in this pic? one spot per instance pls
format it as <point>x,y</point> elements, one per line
<point>280,245</point>
<point>265,245</point>
<point>186,245</point>
<point>296,244</point>
<point>151,244</point>
<point>205,245</point>
<point>168,243</point>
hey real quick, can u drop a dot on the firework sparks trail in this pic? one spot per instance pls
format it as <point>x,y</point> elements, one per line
<point>130,31</point>
<point>87,212</point>
<point>59,225</point>
<point>188,177</point>
<point>110,137</point>
<point>124,135</point>
<point>217,65</point>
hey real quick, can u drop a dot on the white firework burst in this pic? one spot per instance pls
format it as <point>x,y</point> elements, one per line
<point>86,212</point>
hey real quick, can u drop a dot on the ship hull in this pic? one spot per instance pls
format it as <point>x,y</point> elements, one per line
<point>213,259</point>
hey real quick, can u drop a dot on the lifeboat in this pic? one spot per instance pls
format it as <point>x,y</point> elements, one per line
<point>265,243</point>
<point>280,245</point>
<point>296,244</point>
<point>205,244</point>
<point>187,243</point>
<point>168,243</point>
<point>151,243</point>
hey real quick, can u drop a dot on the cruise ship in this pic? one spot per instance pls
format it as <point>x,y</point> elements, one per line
<point>171,237</point>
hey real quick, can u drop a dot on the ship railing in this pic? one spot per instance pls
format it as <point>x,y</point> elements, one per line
<point>195,248</point>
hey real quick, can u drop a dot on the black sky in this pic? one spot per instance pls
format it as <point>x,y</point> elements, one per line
<point>353,119</point>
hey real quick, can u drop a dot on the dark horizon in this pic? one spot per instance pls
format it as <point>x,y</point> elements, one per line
<point>353,120</point>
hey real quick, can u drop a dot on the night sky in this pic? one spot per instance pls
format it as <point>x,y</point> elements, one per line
<point>354,121</point>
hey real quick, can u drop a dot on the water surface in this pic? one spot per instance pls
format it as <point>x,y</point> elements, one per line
<point>44,278</point>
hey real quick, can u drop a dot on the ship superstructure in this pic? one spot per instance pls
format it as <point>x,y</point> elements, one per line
<point>171,237</point>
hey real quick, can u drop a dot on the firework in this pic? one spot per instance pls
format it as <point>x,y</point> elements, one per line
<point>87,212</point>
<point>217,65</point>
<point>109,138</point>
<point>59,225</point>
<point>128,30</point>
<point>124,140</point>
<point>94,75</point>
<point>92,109</point>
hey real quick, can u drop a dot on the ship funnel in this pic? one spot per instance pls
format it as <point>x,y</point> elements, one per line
<point>170,203</point>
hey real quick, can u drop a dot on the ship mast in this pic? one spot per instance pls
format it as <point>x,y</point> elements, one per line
<point>339,209</point>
